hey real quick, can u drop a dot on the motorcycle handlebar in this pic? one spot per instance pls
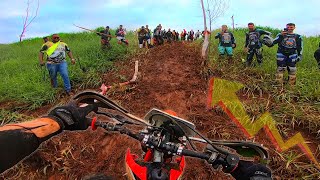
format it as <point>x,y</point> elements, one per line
<point>229,162</point>
<point>195,154</point>
<point>213,158</point>
<point>113,127</point>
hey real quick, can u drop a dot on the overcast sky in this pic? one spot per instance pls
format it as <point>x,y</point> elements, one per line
<point>60,15</point>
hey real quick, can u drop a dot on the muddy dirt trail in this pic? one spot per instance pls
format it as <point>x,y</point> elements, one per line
<point>170,78</point>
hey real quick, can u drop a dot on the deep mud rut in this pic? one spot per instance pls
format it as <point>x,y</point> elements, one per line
<point>170,78</point>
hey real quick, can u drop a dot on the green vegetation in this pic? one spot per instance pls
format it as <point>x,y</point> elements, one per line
<point>23,79</point>
<point>7,117</point>
<point>293,106</point>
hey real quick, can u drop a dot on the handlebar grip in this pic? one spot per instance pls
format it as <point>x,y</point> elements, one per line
<point>229,163</point>
<point>190,153</point>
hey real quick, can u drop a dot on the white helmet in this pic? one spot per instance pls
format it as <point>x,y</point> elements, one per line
<point>267,40</point>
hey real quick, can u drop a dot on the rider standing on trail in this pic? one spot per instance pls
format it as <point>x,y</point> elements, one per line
<point>191,35</point>
<point>163,34</point>
<point>142,36</point>
<point>253,44</point>
<point>158,35</point>
<point>197,35</point>
<point>105,38</point>
<point>56,61</point>
<point>174,35</point>
<point>290,47</point>
<point>317,56</point>
<point>18,141</point>
<point>183,35</point>
<point>148,34</point>
<point>169,36</point>
<point>120,33</point>
<point>177,35</point>
<point>226,41</point>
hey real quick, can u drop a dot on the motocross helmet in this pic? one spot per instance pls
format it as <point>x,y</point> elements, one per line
<point>267,40</point>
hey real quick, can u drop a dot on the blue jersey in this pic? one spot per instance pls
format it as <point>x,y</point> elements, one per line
<point>289,44</point>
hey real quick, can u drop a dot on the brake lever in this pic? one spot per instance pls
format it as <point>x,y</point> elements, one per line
<point>91,97</point>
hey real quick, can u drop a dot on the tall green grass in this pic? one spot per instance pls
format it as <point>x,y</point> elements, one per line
<point>22,77</point>
<point>308,78</point>
<point>298,105</point>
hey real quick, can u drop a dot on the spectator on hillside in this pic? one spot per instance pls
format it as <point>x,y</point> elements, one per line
<point>56,61</point>
<point>163,34</point>
<point>105,38</point>
<point>148,34</point>
<point>197,35</point>
<point>45,39</point>
<point>142,36</point>
<point>120,33</point>
<point>289,53</point>
<point>177,35</point>
<point>190,35</point>
<point>253,44</point>
<point>317,56</point>
<point>183,35</point>
<point>169,36</point>
<point>226,41</point>
<point>157,34</point>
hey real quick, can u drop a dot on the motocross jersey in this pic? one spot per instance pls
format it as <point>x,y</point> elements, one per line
<point>226,40</point>
<point>289,44</point>
<point>253,38</point>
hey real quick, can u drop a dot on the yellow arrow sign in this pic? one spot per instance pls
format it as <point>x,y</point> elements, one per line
<point>223,93</point>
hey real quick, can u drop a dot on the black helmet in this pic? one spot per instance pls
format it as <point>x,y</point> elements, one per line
<point>267,40</point>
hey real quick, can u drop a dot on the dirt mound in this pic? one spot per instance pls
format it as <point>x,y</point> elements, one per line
<point>170,78</point>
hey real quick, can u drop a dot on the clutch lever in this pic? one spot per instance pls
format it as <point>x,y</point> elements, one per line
<point>92,97</point>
